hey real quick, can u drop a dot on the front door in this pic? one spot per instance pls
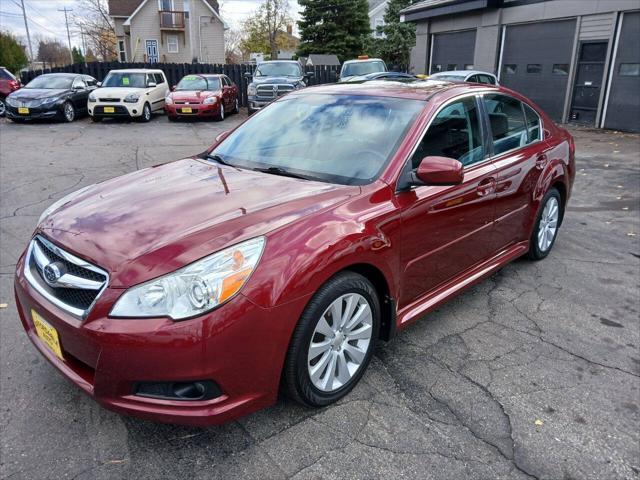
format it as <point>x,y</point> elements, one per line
<point>447,229</point>
<point>152,51</point>
<point>589,78</point>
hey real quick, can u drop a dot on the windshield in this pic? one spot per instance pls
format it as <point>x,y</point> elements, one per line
<point>345,139</point>
<point>125,79</point>
<point>278,69</point>
<point>362,68</point>
<point>51,82</point>
<point>195,82</point>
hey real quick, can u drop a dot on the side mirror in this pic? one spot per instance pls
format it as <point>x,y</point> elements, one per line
<point>222,136</point>
<point>438,171</point>
<point>248,75</point>
<point>99,84</point>
<point>152,84</point>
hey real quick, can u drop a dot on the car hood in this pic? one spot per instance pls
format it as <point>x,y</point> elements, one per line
<point>193,94</point>
<point>278,80</point>
<point>156,220</point>
<point>117,92</point>
<point>25,94</point>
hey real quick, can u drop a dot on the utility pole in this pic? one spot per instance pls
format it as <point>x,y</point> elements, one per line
<point>84,45</point>
<point>26,27</point>
<point>66,20</point>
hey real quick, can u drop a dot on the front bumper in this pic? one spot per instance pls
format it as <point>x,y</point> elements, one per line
<point>197,110</point>
<point>240,346</point>
<point>34,113</point>
<point>257,103</point>
<point>120,110</point>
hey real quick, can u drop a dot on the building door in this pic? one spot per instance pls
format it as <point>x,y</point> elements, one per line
<point>588,83</point>
<point>623,109</point>
<point>535,61</point>
<point>152,51</point>
<point>452,51</point>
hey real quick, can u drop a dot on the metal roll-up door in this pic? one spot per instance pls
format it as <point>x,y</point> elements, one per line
<point>535,62</point>
<point>453,51</point>
<point>623,109</point>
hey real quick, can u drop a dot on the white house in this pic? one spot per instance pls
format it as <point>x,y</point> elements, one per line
<point>377,9</point>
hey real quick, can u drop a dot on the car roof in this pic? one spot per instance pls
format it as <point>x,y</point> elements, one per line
<point>136,70</point>
<point>60,74</point>
<point>361,60</point>
<point>420,90</point>
<point>279,61</point>
<point>462,73</point>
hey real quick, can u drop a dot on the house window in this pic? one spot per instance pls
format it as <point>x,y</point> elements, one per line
<point>534,68</point>
<point>379,24</point>
<point>560,69</point>
<point>629,69</point>
<point>122,54</point>
<point>172,43</point>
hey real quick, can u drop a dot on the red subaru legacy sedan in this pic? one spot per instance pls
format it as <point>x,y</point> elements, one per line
<point>191,291</point>
<point>205,95</point>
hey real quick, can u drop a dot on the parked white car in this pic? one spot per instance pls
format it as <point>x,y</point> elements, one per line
<point>472,76</point>
<point>132,93</point>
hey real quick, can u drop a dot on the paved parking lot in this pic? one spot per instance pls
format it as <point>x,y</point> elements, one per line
<point>531,374</point>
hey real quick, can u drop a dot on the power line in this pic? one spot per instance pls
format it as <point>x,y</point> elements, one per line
<point>66,20</point>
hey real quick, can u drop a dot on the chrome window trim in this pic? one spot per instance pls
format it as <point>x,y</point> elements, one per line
<point>35,283</point>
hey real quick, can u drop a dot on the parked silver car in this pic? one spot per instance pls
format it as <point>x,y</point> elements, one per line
<point>472,76</point>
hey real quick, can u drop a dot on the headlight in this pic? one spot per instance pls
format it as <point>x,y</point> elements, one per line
<point>132,98</point>
<point>210,100</point>
<point>66,199</point>
<point>92,98</point>
<point>194,289</point>
<point>49,101</point>
<point>168,100</point>
<point>12,102</point>
<point>252,90</point>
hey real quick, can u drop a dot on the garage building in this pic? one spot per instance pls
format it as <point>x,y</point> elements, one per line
<point>578,59</point>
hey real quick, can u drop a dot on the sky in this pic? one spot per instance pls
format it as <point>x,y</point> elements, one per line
<point>46,21</point>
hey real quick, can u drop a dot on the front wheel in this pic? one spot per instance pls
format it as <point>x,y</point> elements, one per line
<point>546,227</point>
<point>68,112</point>
<point>3,107</point>
<point>333,341</point>
<point>221,114</point>
<point>146,113</point>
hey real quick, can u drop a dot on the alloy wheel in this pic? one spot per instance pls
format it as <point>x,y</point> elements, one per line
<point>221,111</point>
<point>340,342</point>
<point>69,112</point>
<point>2,107</point>
<point>146,112</point>
<point>548,224</point>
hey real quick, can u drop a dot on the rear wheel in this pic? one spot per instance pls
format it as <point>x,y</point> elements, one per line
<point>333,341</point>
<point>545,230</point>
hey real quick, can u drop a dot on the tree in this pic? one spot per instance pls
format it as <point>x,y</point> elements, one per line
<point>98,28</point>
<point>12,54</point>
<point>52,53</point>
<point>399,37</point>
<point>264,28</point>
<point>232,41</point>
<point>77,55</point>
<point>340,27</point>
<point>90,56</point>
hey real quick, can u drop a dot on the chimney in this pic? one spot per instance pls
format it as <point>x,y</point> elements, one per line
<point>290,29</point>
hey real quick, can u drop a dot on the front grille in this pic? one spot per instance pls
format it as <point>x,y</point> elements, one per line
<point>187,103</point>
<point>112,100</point>
<point>76,284</point>
<point>273,90</point>
<point>117,110</point>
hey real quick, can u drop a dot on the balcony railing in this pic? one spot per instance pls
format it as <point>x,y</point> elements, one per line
<point>171,20</point>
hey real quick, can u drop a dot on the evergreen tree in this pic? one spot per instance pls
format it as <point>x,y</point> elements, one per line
<point>77,55</point>
<point>12,54</point>
<point>399,37</point>
<point>338,27</point>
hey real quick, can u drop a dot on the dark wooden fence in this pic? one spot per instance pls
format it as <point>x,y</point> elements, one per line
<point>175,71</point>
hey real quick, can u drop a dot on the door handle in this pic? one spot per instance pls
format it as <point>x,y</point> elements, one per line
<point>541,161</point>
<point>486,187</point>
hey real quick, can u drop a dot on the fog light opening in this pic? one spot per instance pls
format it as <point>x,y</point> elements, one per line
<point>187,391</point>
<point>135,112</point>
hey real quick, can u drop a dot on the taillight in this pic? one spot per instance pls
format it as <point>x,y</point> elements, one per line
<point>14,84</point>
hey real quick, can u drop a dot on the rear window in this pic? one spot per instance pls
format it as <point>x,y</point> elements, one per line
<point>362,68</point>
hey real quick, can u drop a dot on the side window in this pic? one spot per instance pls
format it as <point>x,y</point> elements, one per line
<point>150,78</point>
<point>486,79</point>
<point>453,133</point>
<point>473,79</point>
<point>159,78</point>
<point>226,81</point>
<point>533,123</point>
<point>90,81</point>
<point>506,118</point>
<point>78,82</point>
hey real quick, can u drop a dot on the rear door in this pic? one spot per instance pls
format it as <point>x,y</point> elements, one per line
<point>447,229</point>
<point>519,153</point>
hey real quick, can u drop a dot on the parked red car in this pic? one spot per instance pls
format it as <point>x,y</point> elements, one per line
<point>8,84</point>
<point>332,218</point>
<point>202,96</point>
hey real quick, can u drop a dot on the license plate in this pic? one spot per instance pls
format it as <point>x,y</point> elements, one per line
<point>187,110</point>
<point>47,334</point>
<point>23,110</point>
<point>109,110</point>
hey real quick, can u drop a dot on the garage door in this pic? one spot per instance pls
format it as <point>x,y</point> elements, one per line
<point>453,51</point>
<point>623,110</point>
<point>535,62</point>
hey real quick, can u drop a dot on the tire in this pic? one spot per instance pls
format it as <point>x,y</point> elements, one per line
<point>96,119</point>
<point>314,380</point>
<point>146,113</point>
<point>236,108</point>
<point>250,112</point>
<point>545,230</point>
<point>68,112</point>
<point>3,107</point>
<point>221,114</point>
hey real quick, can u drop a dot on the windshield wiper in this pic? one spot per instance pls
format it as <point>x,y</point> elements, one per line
<point>216,157</point>
<point>280,171</point>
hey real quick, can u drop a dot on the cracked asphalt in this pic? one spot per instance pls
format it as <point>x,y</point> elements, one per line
<point>531,374</point>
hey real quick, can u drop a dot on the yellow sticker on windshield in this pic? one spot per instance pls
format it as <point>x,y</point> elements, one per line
<point>125,80</point>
